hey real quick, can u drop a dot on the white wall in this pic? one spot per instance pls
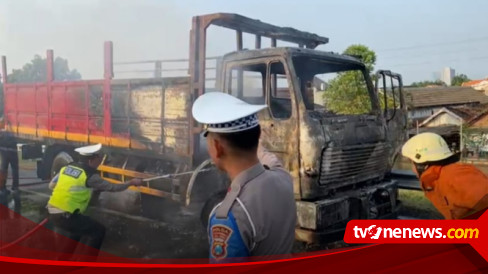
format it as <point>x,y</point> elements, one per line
<point>443,119</point>
<point>318,96</point>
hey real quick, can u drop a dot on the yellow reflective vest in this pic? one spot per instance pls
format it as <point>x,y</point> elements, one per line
<point>71,192</point>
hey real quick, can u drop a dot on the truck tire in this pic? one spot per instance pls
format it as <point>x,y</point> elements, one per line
<point>60,160</point>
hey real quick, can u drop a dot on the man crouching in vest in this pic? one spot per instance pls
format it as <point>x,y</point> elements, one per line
<point>71,195</point>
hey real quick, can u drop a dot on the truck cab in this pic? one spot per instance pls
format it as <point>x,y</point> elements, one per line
<point>338,156</point>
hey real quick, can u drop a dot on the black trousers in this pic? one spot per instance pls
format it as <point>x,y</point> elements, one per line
<point>10,157</point>
<point>79,228</point>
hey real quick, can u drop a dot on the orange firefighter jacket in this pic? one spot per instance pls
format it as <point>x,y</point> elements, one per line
<point>456,190</point>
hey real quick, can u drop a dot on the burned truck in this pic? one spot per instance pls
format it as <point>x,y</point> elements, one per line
<point>339,160</point>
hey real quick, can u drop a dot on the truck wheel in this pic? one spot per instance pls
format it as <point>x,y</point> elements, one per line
<point>61,160</point>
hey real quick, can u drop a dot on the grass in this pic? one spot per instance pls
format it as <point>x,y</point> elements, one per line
<point>414,204</point>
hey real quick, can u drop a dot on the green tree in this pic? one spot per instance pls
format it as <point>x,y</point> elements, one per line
<point>427,83</point>
<point>36,71</point>
<point>458,80</point>
<point>347,93</point>
<point>363,53</point>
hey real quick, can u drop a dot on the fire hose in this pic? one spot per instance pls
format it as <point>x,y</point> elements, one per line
<point>194,173</point>
<point>25,236</point>
<point>166,176</point>
<point>193,178</point>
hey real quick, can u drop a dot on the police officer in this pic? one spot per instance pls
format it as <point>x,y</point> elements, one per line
<point>258,214</point>
<point>455,189</point>
<point>71,195</point>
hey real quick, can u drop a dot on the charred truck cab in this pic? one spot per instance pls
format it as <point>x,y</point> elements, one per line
<point>336,132</point>
<point>338,160</point>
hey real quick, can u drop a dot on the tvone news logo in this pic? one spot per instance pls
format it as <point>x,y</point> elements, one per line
<point>376,232</point>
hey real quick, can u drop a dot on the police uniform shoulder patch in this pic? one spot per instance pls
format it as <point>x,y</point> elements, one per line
<point>72,172</point>
<point>220,237</point>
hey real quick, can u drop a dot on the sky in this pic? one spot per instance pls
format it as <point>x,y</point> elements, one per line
<point>416,38</point>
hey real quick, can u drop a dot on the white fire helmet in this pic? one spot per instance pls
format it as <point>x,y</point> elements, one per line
<point>426,147</point>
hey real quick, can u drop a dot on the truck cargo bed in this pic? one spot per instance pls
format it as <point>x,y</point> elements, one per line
<point>143,114</point>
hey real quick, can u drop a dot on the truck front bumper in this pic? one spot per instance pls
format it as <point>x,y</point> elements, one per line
<point>325,220</point>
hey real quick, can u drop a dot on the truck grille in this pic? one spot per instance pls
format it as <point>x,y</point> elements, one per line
<point>342,166</point>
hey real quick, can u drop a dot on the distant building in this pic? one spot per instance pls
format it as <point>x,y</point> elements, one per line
<point>454,116</point>
<point>480,121</point>
<point>449,121</point>
<point>447,75</point>
<point>319,87</point>
<point>424,102</point>
<point>478,85</point>
<point>314,92</point>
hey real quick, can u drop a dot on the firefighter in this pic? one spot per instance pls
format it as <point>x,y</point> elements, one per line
<point>71,195</point>
<point>455,189</point>
<point>258,215</point>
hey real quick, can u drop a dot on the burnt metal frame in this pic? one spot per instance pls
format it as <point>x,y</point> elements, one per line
<point>239,23</point>
<point>197,64</point>
<point>387,73</point>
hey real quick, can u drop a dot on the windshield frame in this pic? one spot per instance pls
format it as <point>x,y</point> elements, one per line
<point>354,65</point>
